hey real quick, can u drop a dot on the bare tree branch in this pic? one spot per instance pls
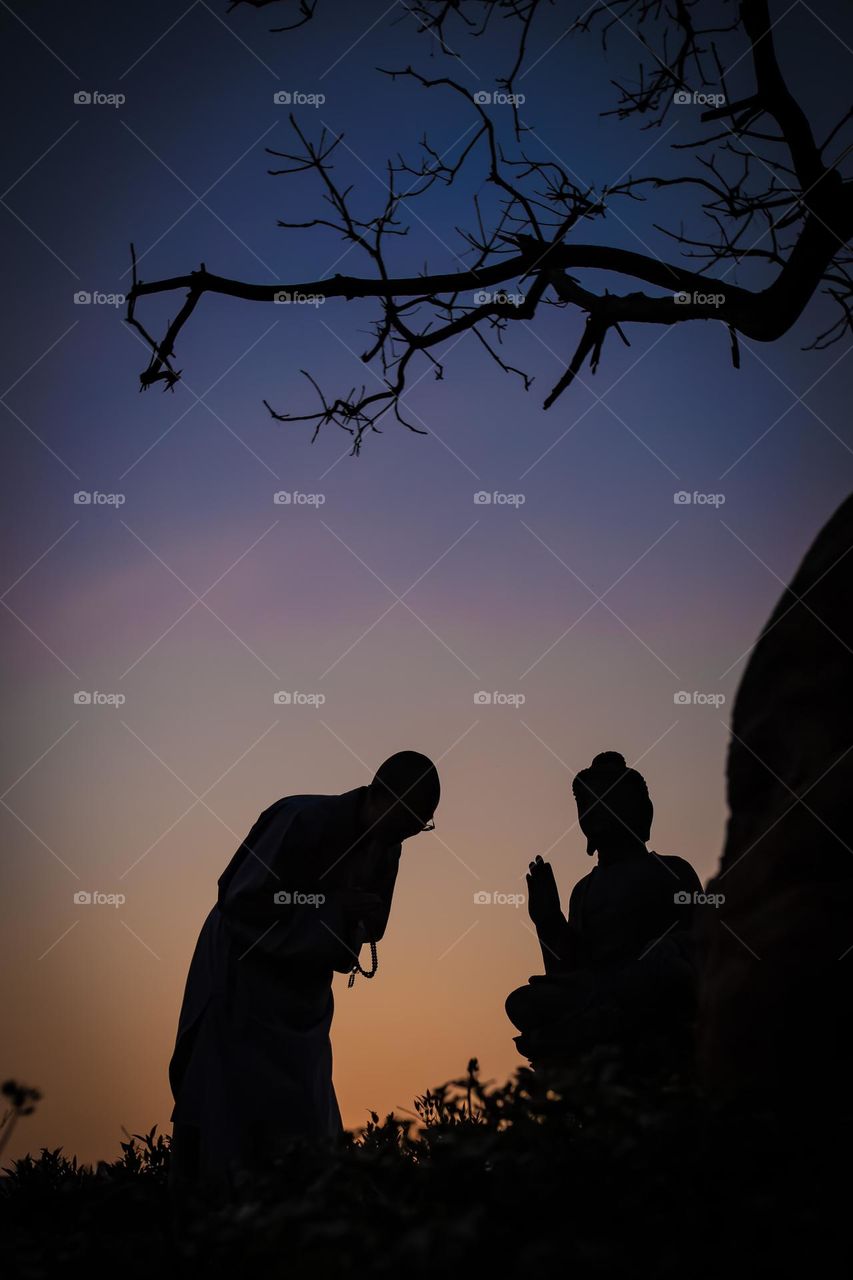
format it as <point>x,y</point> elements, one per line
<point>768,195</point>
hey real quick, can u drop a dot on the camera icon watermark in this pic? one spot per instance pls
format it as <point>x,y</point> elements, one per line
<point>95,98</point>
<point>697,898</point>
<point>297,98</point>
<point>94,698</point>
<point>293,498</point>
<point>296,297</point>
<point>96,298</point>
<point>482,498</point>
<point>482,698</point>
<point>682,498</point>
<point>483,298</point>
<point>83,898</point>
<point>286,898</point>
<point>94,498</point>
<point>697,299</point>
<point>683,698</point>
<point>498,98</point>
<point>293,698</point>
<point>698,98</point>
<point>483,898</point>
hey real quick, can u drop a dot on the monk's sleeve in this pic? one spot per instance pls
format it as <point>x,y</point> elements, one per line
<point>273,901</point>
<point>355,933</point>
<point>383,886</point>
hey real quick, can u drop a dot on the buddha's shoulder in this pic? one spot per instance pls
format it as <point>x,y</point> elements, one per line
<point>680,866</point>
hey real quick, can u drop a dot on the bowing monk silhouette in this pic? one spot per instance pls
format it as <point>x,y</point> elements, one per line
<point>619,969</point>
<point>311,883</point>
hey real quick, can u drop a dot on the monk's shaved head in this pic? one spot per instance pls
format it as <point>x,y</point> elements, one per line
<point>411,780</point>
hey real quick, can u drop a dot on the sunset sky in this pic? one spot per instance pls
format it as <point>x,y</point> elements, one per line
<point>592,595</point>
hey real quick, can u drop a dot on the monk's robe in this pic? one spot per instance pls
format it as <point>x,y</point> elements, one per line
<point>252,1063</point>
<point>620,969</point>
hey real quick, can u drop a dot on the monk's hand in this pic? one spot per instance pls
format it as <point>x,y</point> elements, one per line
<point>365,912</point>
<point>543,896</point>
<point>376,862</point>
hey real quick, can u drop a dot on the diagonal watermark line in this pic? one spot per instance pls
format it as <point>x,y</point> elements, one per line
<point>39,159</point>
<point>429,30</point>
<point>199,199</point>
<point>605,794</point>
<point>399,799</point>
<point>198,799</point>
<point>797,800</point>
<point>138,939</point>
<point>403,400</point>
<point>799,599</point>
<point>171,27</point>
<point>358,41</point>
<point>36,236</point>
<point>832,32</point>
<point>461,937</point>
<point>631,32</point>
<point>202,400</point>
<point>590,187</point>
<point>431,429</point>
<point>799,197</point>
<point>796,600</point>
<point>238,437</point>
<point>233,33</point>
<point>199,599</point>
<point>55,543</point>
<point>542,943</point>
<point>261,938</point>
<point>555,43</point>
<point>739,939</point>
<point>400,198</point>
<point>162,836</point>
<point>599,599</point>
<point>409,207</point>
<point>36,836</point>
<point>39,759</point>
<point>751,47</point>
<point>599,400</point>
<point>400,599</point>
<point>596,398</point>
<point>39,359</point>
<point>37,437</point>
<point>36,636</point>
<point>37,37</point>
<point>574,826</point>
<point>652,945</point>
<point>800,399</point>
<point>59,939</point>
<point>782,783</point>
<point>793,405</point>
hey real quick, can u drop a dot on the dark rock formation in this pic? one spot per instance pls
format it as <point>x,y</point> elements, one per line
<point>776,987</point>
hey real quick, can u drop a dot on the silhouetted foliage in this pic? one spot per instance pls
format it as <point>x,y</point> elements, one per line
<point>22,1100</point>
<point>608,1174</point>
